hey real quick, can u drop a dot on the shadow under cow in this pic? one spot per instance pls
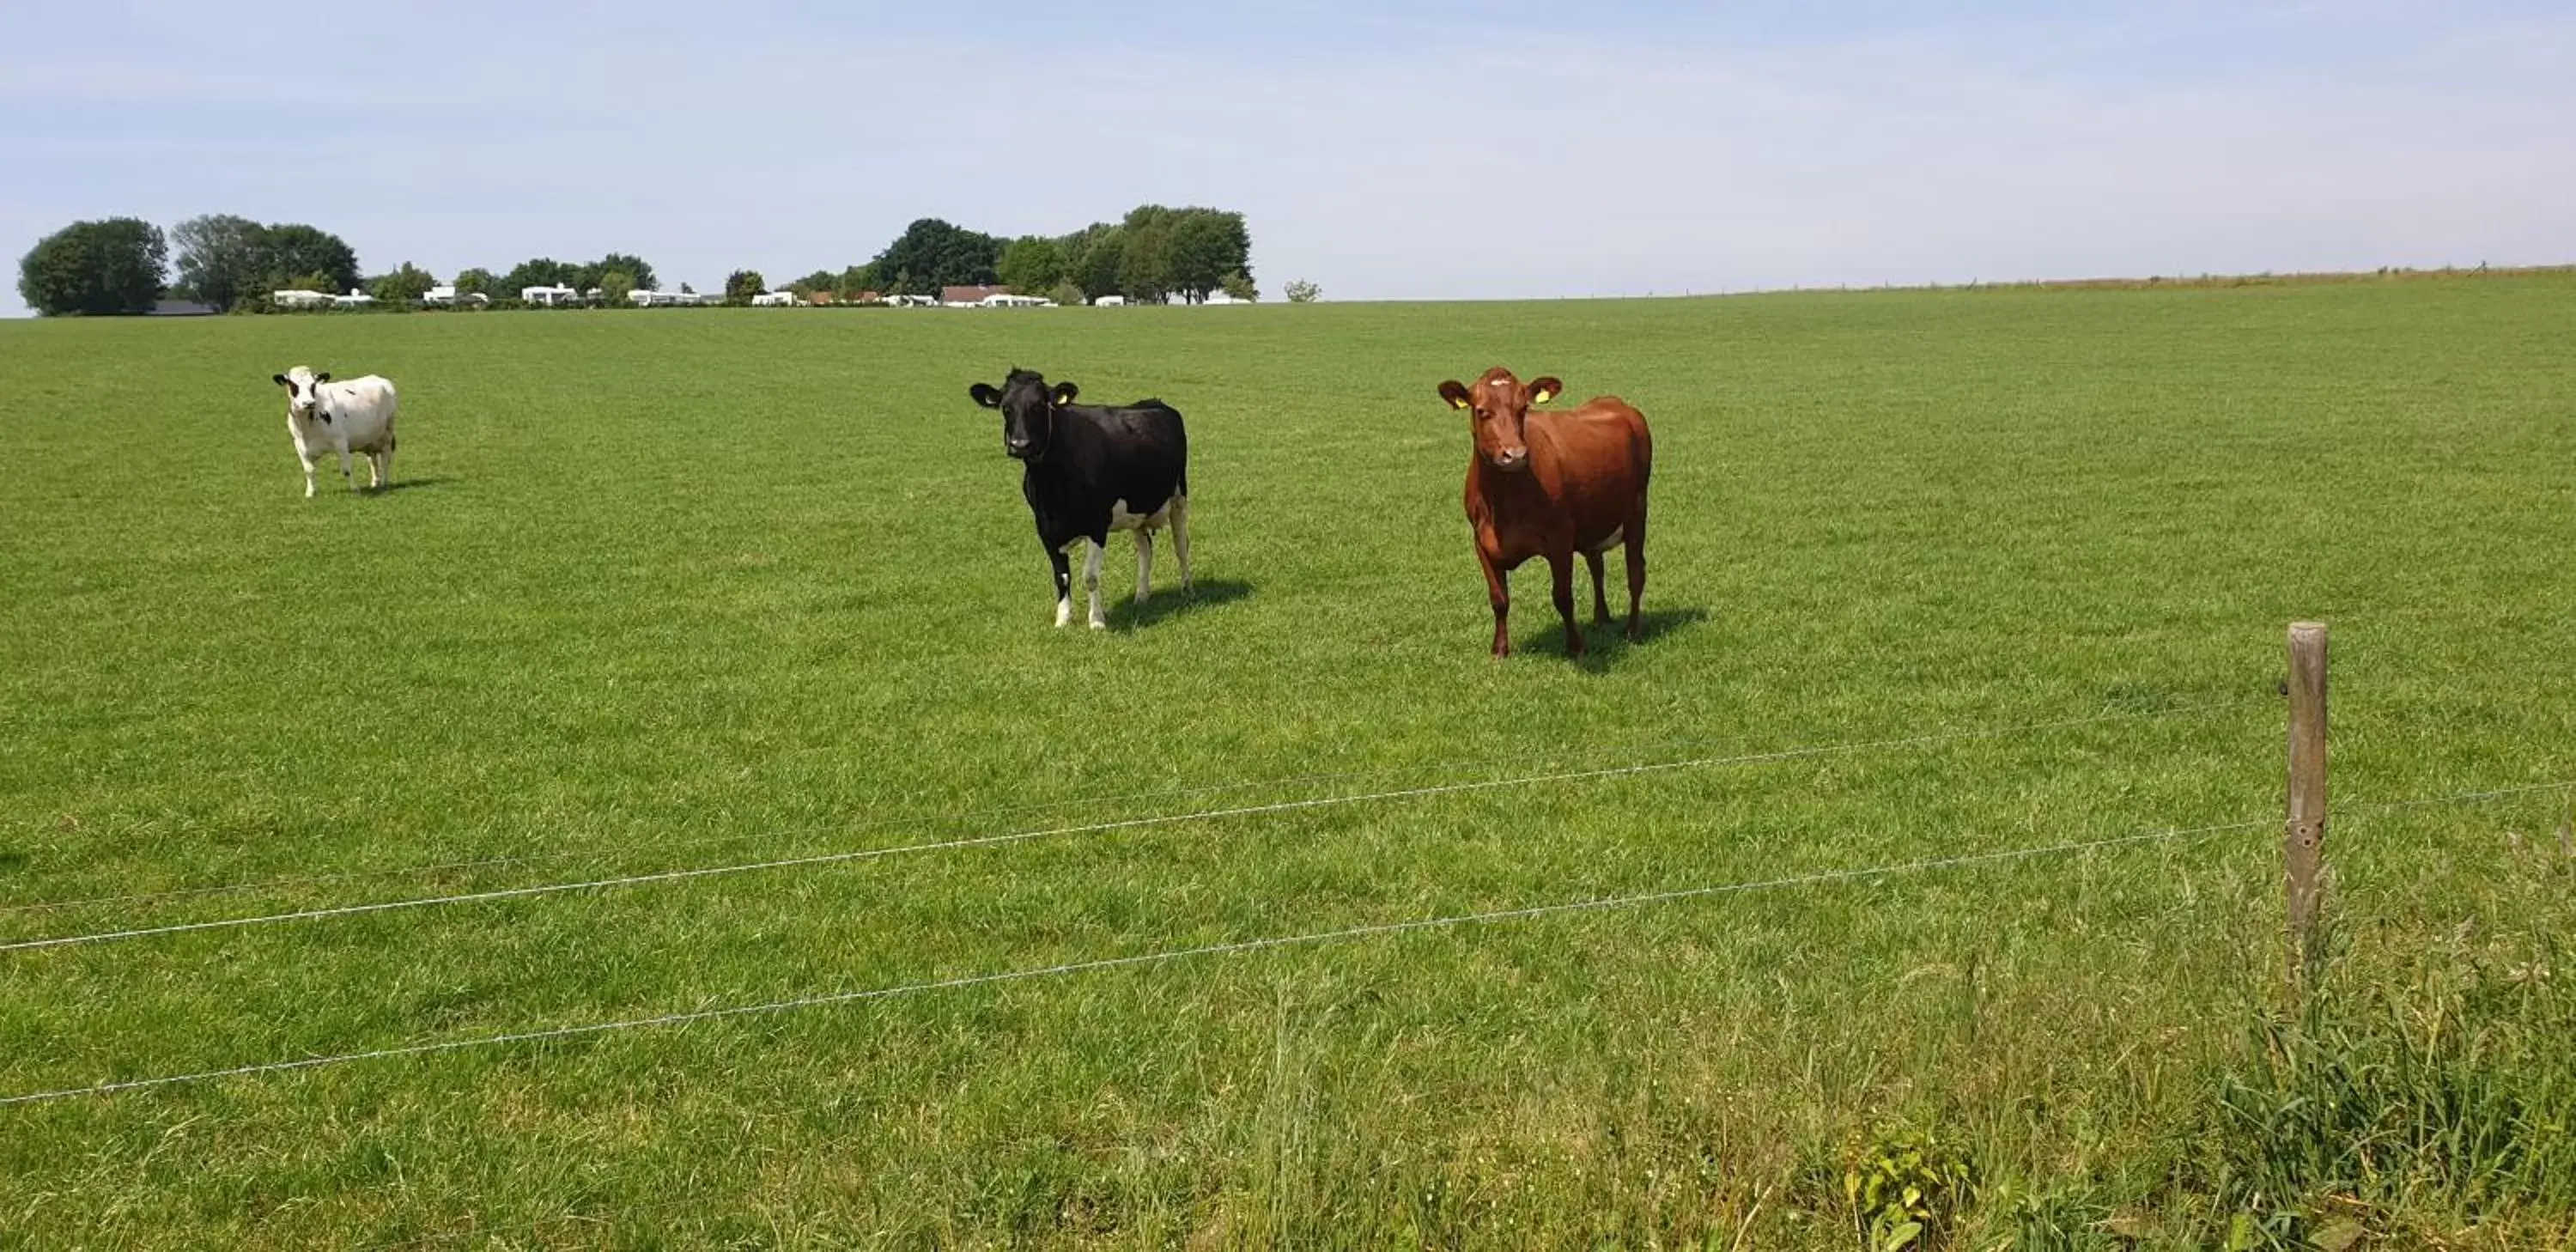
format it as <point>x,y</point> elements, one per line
<point>405,484</point>
<point>1171,602</point>
<point>1604,646</point>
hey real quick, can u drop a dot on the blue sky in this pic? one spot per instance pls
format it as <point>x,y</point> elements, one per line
<point>1384,151</point>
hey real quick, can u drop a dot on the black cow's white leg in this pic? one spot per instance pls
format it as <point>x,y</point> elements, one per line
<point>1091,585</point>
<point>1063,585</point>
<point>1181,537</point>
<point>1144,563</point>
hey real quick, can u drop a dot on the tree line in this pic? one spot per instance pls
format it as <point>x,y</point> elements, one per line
<point>124,265</point>
<point>1152,256</point>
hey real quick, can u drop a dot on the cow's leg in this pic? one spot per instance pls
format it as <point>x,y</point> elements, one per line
<point>375,469</point>
<point>1636,572</point>
<point>385,461</point>
<point>1144,564</point>
<point>346,473</point>
<point>1181,538</point>
<point>1091,584</point>
<point>1498,588</point>
<point>307,462</point>
<point>1560,569</point>
<point>1600,603</point>
<point>1063,586</point>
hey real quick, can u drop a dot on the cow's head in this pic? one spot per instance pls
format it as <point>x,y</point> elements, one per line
<point>1028,408</point>
<point>1501,405</point>
<point>304,393</point>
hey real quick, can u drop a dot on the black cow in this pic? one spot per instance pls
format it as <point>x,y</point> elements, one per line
<point>1089,470</point>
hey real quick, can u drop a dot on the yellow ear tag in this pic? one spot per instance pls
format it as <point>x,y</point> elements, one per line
<point>1456,403</point>
<point>1542,396</point>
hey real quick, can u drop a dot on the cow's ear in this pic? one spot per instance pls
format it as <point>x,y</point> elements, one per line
<point>1455,393</point>
<point>985,395</point>
<point>1064,394</point>
<point>281,380</point>
<point>1545,389</point>
<point>321,378</point>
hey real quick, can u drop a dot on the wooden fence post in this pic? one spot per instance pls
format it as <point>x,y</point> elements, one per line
<point>2303,840</point>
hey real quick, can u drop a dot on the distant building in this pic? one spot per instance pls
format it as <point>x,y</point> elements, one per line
<point>445,294</point>
<point>549,297</point>
<point>299,298</point>
<point>774,300</point>
<point>958,297</point>
<point>1110,301</point>
<point>182,308</point>
<point>356,299</point>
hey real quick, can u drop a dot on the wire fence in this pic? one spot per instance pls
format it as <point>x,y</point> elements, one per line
<point>1164,957</point>
<point>1233,948</point>
<point>1092,828</point>
<point>913,821</point>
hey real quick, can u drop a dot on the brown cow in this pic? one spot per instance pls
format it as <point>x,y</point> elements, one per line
<point>1553,484</point>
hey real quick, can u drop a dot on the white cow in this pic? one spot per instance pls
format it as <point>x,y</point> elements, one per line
<point>355,416</point>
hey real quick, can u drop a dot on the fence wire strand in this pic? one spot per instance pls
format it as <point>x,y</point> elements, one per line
<point>1237,947</point>
<point>1595,904</point>
<point>923,819</point>
<point>1024,836</point>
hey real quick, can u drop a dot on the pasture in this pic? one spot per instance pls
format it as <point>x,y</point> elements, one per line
<point>657,591</point>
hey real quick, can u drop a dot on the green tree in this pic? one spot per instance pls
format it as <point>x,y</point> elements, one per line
<point>1030,265</point>
<point>819,280</point>
<point>1237,286</point>
<point>102,267</point>
<point>639,272</point>
<point>539,272</point>
<point>931,254</point>
<point>405,285</point>
<point>1095,254</point>
<point>477,281</point>
<point>1206,246</point>
<point>613,288</point>
<point>858,279</point>
<point>293,249</point>
<point>223,259</point>
<point>1145,263</point>
<point>1302,292</point>
<point>1065,293</point>
<point>742,285</point>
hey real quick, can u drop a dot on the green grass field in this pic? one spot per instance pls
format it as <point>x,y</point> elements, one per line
<point>659,591</point>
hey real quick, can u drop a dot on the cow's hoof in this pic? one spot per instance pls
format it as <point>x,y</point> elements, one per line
<point>1100,625</point>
